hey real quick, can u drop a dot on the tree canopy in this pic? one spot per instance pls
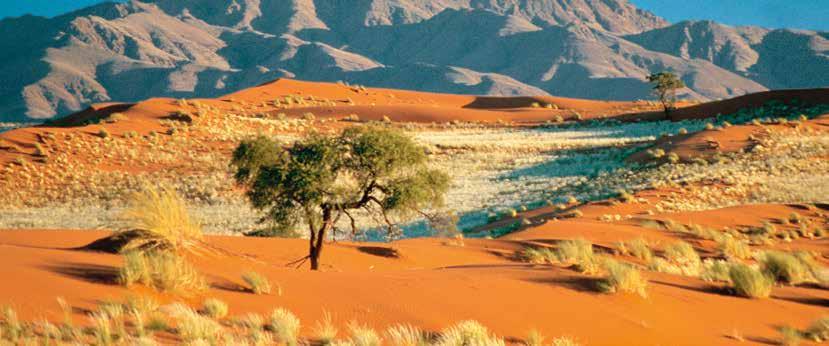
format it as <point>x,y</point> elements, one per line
<point>665,85</point>
<point>321,179</point>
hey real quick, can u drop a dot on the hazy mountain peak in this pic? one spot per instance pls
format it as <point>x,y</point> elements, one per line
<point>578,48</point>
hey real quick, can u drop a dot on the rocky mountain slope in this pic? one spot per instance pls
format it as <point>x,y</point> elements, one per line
<point>204,48</point>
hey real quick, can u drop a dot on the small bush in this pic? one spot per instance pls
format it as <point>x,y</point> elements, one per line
<point>749,282</point>
<point>468,333</point>
<point>406,335</point>
<point>214,308</point>
<point>115,117</point>
<point>623,277</point>
<point>285,326</point>
<point>103,133</point>
<point>257,283</point>
<point>580,253</point>
<point>161,270</point>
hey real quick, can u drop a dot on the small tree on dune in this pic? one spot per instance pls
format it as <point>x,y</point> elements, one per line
<point>321,179</point>
<point>665,85</point>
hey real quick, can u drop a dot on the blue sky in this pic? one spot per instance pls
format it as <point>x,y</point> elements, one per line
<point>805,14</point>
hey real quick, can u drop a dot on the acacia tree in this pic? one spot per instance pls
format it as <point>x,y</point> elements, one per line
<point>665,85</point>
<point>321,179</point>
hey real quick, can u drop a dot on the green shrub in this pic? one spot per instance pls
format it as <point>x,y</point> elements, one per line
<point>749,282</point>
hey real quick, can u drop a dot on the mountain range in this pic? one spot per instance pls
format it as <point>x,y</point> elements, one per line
<point>598,49</point>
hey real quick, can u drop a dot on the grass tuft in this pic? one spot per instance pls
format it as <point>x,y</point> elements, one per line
<point>580,253</point>
<point>622,277</point>
<point>468,333</point>
<point>285,326</point>
<point>749,282</point>
<point>406,335</point>
<point>257,283</point>
<point>164,271</point>
<point>214,308</point>
<point>163,215</point>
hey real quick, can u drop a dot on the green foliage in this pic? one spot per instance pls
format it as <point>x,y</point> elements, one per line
<point>319,179</point>
<point>665,85</point>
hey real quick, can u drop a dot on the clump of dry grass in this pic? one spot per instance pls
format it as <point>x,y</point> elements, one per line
<point>285,326</point>
<point>819,330</point>
<point>325,330</point>
<point>162,216</point>
<point>363,335</point>
<point>580,253</point>
<point>622,277</point>
<point>749,282</point>
<point>788,268</point>
<point>406,335</point>
<point>164,271</point>
<point>193,328</point>
<point>468,333</point>
<point>680,258</point>
<point>214,308</point>
<point>538,255</point>
<point>733,248</point>
<point>257,283</point>
<point>640,249</point>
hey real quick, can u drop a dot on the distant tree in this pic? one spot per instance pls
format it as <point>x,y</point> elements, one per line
<point>665,85</point>
<point>321,179</point>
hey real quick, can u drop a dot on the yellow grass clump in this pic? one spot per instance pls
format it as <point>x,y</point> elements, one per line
<point>162,214</point>
<point>164,271</point>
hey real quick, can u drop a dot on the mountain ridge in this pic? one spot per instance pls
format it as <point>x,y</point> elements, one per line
<point>599,49</point>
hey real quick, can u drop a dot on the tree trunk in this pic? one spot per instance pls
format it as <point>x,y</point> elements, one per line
<point>318,239</point>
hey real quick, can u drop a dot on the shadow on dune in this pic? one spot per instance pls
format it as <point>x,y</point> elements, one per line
<point>576,283</point>
<point>227,285</point>
<point>723,291</point>
<point>380,251</point>
<point>93,273</point>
